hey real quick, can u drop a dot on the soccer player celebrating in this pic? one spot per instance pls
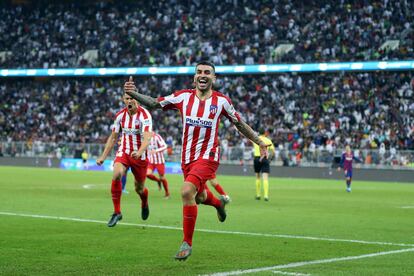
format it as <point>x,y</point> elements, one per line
<point>134,123</point>
<point>346,164</point>
<point>157,162</point>
<point>201,109</point>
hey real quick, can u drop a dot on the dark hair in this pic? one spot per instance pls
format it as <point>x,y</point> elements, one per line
<point>261,131</point>
<point>204,62</point>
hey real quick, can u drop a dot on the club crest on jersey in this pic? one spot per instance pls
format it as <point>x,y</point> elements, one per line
<point>213,109</point>
<point>199,122</point>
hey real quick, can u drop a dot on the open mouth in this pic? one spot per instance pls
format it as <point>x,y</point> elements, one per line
<point>129,106</point>
<point>203,82</point>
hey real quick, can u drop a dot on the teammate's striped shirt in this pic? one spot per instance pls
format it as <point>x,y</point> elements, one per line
<point>131,129</point>
<point>158,145</point>
<point>201,120</point>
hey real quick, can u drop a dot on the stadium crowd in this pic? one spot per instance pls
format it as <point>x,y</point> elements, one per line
<point>300,111</point>
<point>174,32</point>
<point>303,112</point>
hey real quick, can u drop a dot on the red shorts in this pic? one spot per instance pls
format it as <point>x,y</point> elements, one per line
<point>159,167</point>
<point>138,167</point>
<point>199,171</point>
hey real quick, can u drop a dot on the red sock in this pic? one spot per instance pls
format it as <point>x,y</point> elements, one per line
<point>219,189</point>
<point>189,221</point>
<point>165,185</point>
<point>212,200</point>
<point>116,191</point>
<point>144,197</point>
<point>153,177</point>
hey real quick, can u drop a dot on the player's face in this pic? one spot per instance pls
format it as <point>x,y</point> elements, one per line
<point>130,103</point>
<point>204,77</point>
<point>348,149</point>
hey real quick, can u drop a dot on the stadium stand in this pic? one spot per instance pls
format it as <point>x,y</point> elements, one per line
<point>303,111</point>
<point>47,35</point>
<point>365,109</point>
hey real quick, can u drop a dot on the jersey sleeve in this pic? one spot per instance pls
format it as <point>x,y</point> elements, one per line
<point>161,142</point>
<point>173,101</point>
<point>146,121</point>
<point>116,126</point>
<point>161,145</point>
<point>230,112</point>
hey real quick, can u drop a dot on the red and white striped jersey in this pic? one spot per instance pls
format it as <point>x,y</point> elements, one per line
<point>158,145</point>
<point>131,129</point>
<point>201,120</point>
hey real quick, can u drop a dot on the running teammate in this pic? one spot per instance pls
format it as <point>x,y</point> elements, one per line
<point>134,123</point>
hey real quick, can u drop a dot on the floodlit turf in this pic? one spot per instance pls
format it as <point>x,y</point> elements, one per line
<point>298,210</point>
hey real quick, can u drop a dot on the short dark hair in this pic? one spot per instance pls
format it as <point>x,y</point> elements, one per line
<point>262,131</point>
<point>208,63</point>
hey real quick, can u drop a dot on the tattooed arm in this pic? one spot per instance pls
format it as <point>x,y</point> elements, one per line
<point>247,131</point>
<point>149,102</point>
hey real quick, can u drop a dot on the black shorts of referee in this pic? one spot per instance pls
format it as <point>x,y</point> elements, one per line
<point>261,166</point>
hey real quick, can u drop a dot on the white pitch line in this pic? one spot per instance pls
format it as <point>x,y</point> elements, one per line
<point>289,273</point>
<point>303,237</point>
<point>211,231</point>
<point>298,264</point>
<point>88,186</point>
<point>407,207</point>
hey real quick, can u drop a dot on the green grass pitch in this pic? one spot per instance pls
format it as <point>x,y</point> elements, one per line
<point>309,227</point>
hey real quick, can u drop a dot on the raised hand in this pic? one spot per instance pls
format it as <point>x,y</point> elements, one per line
<point>148,101</point>
<point>129,86</point>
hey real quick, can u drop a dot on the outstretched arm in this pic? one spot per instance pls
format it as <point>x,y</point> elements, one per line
<point>357,159</point>
<point>108,148</point>
<point>249,133</point>
<point>150,102</point>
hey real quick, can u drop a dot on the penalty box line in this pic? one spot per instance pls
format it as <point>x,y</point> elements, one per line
<point>300,264</point>
<point>209,230</point>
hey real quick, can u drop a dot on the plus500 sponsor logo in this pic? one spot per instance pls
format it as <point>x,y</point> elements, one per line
<point>195,121</point>
<point>130,131</point>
